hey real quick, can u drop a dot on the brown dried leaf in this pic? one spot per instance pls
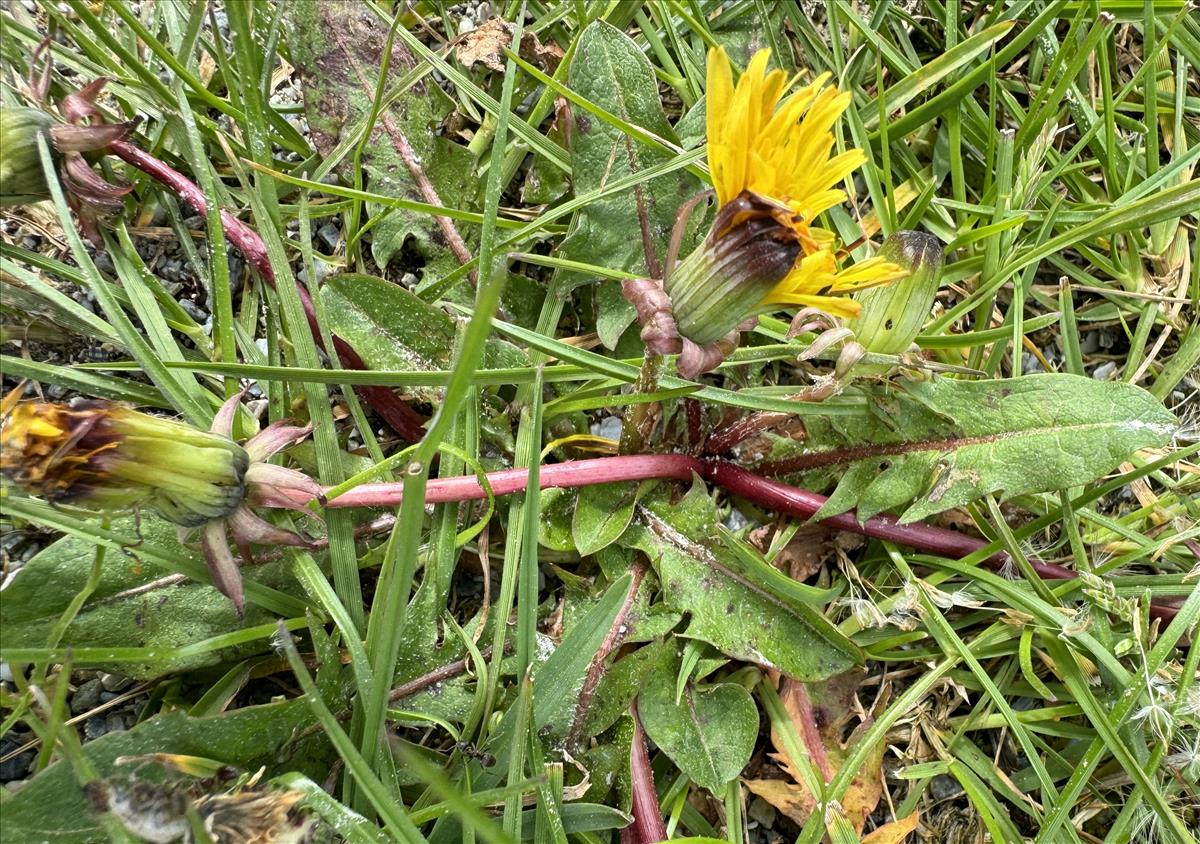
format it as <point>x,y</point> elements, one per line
<point>787,797</point>
<point>820,713</point>
<point>485,45</point>
<point>804,553</point>
<point>894,832</point>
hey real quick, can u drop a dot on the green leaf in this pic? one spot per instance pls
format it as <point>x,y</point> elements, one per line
<point>338,51</point>
<point>709,732</point>
<point>737,608</point>
<point>555,525</point>
<point>557,681</point>
<point>610,71</point>
<point>602,513</point>
<point>946,443</point>
<point>620,685</point>
<point>579,819</point>
<point>156,620</point>
<point>51,807</point>
<point>391,328</point>
<point>926,77</point>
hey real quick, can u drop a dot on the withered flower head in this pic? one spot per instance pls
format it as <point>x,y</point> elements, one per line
<point>107,457</point>
<point>773,174</point>
<point>158,812</point>
<point>22,178</point>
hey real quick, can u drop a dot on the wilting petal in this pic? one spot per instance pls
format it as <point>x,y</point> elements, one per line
<point>825,340</point>
<point>80,105</point>
<point>85,185</point>
<point>659,331</point>
<point>39,83</point>
<point>223,420</point>
<point>250,529</point>
<point>695,360</point>
<point>222,567</point>
<point>87,138</point>
<point>808,319</point>
<point>276,486</point>
<point>271,439</point>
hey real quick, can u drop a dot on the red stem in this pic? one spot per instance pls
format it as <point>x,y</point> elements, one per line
<point>766,493</point>
<point>602,470</point>
<point>647,826</point>
<point>402,418</point>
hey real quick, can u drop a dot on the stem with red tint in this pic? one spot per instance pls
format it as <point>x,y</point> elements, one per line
<point>766,493</point>
<point>402,418</point>
<point>647,826</point>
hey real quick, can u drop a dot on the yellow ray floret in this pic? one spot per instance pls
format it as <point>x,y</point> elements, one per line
<point>774,146</point>
<point>816,282</point>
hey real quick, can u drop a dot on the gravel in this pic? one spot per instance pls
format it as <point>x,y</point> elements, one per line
<point>87,697</point>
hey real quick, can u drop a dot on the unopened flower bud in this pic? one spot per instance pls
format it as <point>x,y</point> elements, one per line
<point>892,316</point>
<point>108,457</point>
<point>22,178</point>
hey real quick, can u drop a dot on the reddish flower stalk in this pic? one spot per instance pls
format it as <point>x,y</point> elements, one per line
<point>647,826</point>
<point>766,493</point>
<point>402,418</point>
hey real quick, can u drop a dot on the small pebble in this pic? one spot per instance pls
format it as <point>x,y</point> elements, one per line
<point>944,787</point>
<point>87,696</point>
<point>115,682</point>
<point>329,235</point>
<point>193,310</point>
<point>762,812</point>
<point>609,427</point>
<point>16,767</point>
<point>104,264</point>
<point>95,727</point>
<point>321,270</point>
<point>736,520</point>
<point>1105,371</point>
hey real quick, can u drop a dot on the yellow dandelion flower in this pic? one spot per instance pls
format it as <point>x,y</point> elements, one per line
<point>774,171</point>
<point>779,148</point>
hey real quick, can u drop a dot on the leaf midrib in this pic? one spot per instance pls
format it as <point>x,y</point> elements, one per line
<point>853,454</point>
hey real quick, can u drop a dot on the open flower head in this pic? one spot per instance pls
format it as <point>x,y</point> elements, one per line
<point>774,171</point>
<point>773,146</point>
<point>780,148</point>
